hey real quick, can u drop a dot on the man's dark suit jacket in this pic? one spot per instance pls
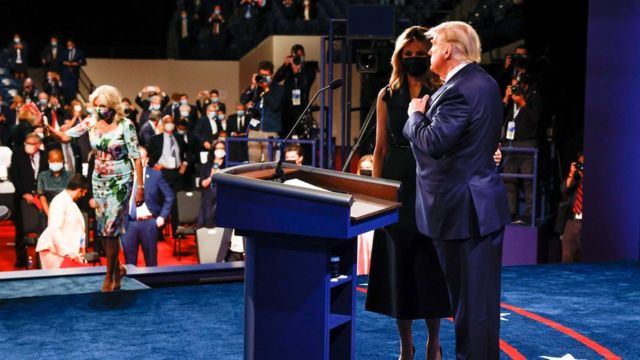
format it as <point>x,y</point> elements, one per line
<point>204,132</point>
<point>21,171</point>
<point>158,195</point>
<point>154,148</point>
<point>459,191</point>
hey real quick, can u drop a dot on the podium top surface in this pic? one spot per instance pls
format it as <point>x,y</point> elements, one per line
<point>365,196</point>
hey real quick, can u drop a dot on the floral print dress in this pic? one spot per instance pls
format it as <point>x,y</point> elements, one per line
<point>113,173</point>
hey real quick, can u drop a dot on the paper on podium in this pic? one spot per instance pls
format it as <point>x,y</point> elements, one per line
<point>303,184</point>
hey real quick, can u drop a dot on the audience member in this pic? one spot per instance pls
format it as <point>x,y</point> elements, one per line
<point>18,57</point>
<point>53,180</point>
<point>215,162</point>
<point>208,128</point>
<point>29,91</point>
<point>72,60</point>
<point>187,33</point>
<point>150,128</point>
<point>130,112</point>
<point>238,129</point>
<point>267,122</point>
<point>51,56</point>
<point>26,164</point>
<point>64,236</point>
<point>144,220</point>
<point>53,85</point>
<point>293,154</point>
<point>167,154</point>
<point>209,97</point>
<point>151,103</point>
<point>217,33</point>
<point>365,165</point>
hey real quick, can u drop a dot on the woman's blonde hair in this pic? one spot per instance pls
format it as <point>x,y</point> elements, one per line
<point>414,33</point>
<point>110,97</point>
<point>461,36</point>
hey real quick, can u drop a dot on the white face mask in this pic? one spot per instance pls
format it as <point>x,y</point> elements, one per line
<point>30,149</point>
<point>169,127</point>
<point>77,108</point>
<point>154,107</point>
<point>219,154</point>
<point>55,167</point>
<point>211,115</point>
<point>184,113</point>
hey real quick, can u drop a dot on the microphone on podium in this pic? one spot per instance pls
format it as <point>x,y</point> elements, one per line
<point>279,173</point>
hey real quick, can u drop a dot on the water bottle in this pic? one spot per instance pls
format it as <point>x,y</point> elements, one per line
<point>335,266</point>
<point>29,263</point>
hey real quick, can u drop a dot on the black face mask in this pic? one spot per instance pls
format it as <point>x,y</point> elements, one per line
<point>416,66</point>
<point>366,172</point>
<point>290,162</point>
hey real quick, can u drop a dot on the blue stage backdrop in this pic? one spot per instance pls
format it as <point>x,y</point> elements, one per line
<point>612,132</point>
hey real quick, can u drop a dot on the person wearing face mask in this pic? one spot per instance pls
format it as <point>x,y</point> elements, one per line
<point>167,154</point>
<point>224,125</point>
<point>238,124</point>
<point>365,165</point>
<point>187,112</point>
<point>18,54</point>
<point>208,98</point>
<point>72,60</point>
<point>150,128</point>
<point>130,111</point>
<point>26,164</point>
<point>215,162</point>
<point>144,220</point>
<point>150,92</point>
<point>117,169</point>
<point>297,74</point>
<point>293,154</point>
<point>191,152</point>
<point>208,128</point>
<point>155,106</point>
<point>51,56</point>
<point>52,181</point>
<point>267,122</point>
<point>64,236</point>
<point>29,90</point>
<point>405,279</point>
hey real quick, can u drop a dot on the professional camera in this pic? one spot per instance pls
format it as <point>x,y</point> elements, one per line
<point>253,113</point>
<point>517,89</point>
<point>519,61</point>
<point>579,166</point>
<point>296,59</point>
<point>260,78</point>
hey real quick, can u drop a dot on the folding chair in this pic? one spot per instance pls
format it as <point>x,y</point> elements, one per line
<point>213,244</point>
<point>188,207</point>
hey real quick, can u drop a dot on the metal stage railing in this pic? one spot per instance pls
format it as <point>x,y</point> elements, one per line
<point>533,177</point>
<point>270,147</point>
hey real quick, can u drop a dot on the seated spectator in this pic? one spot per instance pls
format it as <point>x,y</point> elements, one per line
<point>52,181</point>
<point>215,162</point>
<point>64,236</point>
<point>29,91</point>
<point>145,220</point>
<point>365,165</point>
<point>53,84</point>
<point>294,154</point>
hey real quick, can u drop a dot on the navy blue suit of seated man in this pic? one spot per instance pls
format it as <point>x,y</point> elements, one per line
<point>460,200</point>
<point>144,221</point>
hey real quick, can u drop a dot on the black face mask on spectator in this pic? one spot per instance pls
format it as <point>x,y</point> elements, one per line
<point>366,172</point>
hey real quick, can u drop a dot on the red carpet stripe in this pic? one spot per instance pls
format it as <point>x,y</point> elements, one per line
<point>606,353</point>
<point>511,351</point>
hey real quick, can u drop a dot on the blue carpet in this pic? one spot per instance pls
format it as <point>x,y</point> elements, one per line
<point>601,302</point>
<point>60,286</point>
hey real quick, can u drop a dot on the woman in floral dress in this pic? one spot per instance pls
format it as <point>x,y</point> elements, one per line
<point>114,139</point>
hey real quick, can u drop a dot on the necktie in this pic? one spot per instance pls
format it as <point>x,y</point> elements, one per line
<point>19,56</point>
<point>577,205</point>
<point>184,28</point>
<point>71,53</point>
<point>34,167</point>
<point>68,158</point>
<point>241,123</point>
<point>172,149</point>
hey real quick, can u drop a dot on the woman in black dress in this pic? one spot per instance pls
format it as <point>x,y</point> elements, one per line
<point>405,280</point>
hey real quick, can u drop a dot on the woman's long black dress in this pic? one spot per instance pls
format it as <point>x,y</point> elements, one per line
<point>405,279</point>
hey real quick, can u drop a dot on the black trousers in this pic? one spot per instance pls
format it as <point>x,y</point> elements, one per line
<point>472,268</point>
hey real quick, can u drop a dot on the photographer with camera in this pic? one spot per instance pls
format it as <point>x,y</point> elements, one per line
<point>515,65</point>
<point>520,130</point>
<point>298,76</point>
<point>572,228</point>
<point>266,115</point>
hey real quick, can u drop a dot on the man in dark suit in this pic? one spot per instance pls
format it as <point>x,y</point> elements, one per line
<point>238,127</point>
<point>27,162</point>
<point>208,128</point>
<point>167,153</point>
<point>51,56</point>
<point>144,220</point>
<point>461,202</point>
<point>72,60</point>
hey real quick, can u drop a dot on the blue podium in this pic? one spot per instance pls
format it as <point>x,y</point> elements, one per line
<point>294,309</point>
